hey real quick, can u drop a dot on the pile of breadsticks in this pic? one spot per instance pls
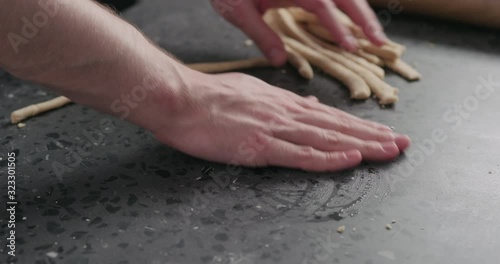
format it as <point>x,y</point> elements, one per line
<point>308,43</point>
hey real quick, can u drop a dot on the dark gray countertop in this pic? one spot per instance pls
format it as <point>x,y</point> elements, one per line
<point>133,200</point>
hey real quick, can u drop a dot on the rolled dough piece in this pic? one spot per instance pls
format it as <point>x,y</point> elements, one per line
<point>300,63</point>
<point>359,60</point>
<point>403,69</point>
<point>302,16</point>
<point>356,85</point>
<point>225,66</point>
<point>36,109</point>
<point>385,93</point>
<point>385,52</point>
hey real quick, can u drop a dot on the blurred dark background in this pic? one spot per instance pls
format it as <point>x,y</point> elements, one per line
<point>119,5</point>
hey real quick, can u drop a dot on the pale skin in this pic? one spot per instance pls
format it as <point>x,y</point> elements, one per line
<point>93,57</point>
<point>247,15</point>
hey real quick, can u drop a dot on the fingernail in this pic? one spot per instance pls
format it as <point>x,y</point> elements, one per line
<point>389,147</point>
<point>352,155</point>
<point>389,136</point>
<point>402,141</point>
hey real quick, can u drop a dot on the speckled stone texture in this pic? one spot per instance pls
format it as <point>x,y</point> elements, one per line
<point>129,199</point>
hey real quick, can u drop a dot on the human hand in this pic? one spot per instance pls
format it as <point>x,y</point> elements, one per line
<point>235,118</point>
<point>247,15</point>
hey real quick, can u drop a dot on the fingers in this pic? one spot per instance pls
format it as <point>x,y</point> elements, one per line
<point>286,154</point>
<point>317,106</point>
<point>333,111</point>
<point>329,140</point>
<point>250,21</point>
<point>362,14</point>
<point>325,11</point>
<point>345,126</point>
<point>312,98</point>
<point>402,141</point>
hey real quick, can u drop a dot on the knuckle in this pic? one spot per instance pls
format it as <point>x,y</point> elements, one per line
<point>278,120</point>
<point>365,145</point>
<point>306,154</point>
<point>344,125</point>
<point>384,136</point>
<point>331,157</point>
<point>292,109</point>
<point>258,140</point>
<point>332,138</point>
<point>240,76</point>
<point>371,27</point>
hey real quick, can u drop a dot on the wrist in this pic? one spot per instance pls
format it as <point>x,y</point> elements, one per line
<point>142,86</point>
<point>135,81</point>
<point>160,92</point>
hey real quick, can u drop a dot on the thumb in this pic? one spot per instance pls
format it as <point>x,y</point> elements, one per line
<point>264,37</point>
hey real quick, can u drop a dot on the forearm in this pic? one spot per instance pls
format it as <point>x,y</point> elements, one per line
<point>89,55</point>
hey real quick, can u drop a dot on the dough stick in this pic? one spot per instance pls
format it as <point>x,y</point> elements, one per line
<point>370,57</point>
<point>300,63</point>
<point>225,66</point>
<point>294,58</point>
<point>271,17</point>
<point>356,85</point>
<point>384,92</point>
<point>302,16</point>
<point>358,32</point>
<point>378,71</point>
<point>403,69</point>
<point>293,29</point>
<point>359,60</point>
<point>385,52</point>
<point>36,109</point>
<point>389,43</point>
<point>213,67</point>
<point>346,20</point>
<point>321,33</point>
<point>397,46</point>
